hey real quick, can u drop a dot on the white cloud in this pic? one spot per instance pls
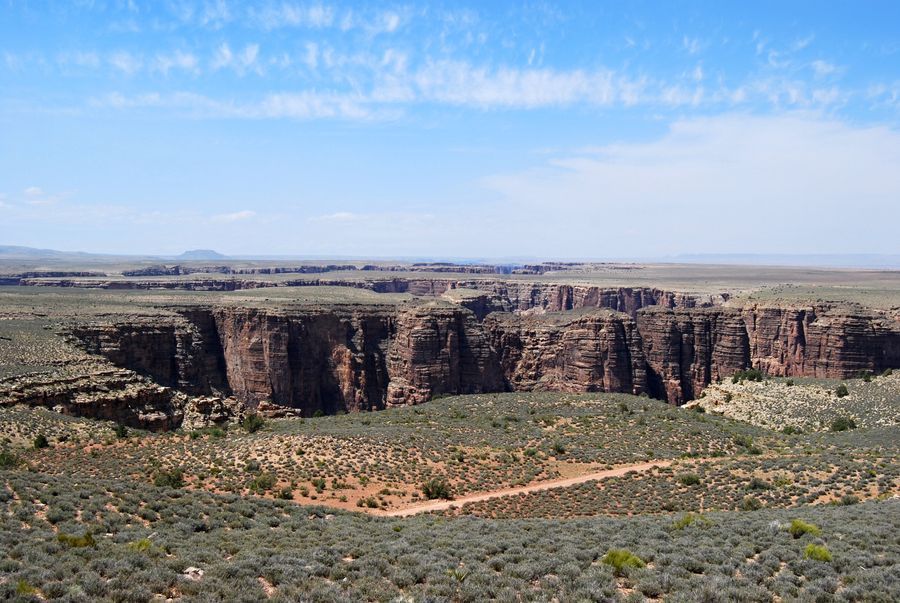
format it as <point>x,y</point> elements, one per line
<point>33,191</point>
<point>823,68</point>
<point>243,61</point>
<point>732,183</point>
<point>274,16</point>
<point>341,216</point>
<point>691,45</point>
<point>184,61</point>
<point>125,62</point>
<point>237,216</point>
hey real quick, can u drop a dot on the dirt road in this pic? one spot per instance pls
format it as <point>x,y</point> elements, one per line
<point>440,505</point>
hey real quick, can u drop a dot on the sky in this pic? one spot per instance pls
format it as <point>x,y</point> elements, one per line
<point>562,130</point>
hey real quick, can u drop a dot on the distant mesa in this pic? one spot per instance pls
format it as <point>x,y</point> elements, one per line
<point>201,254</point>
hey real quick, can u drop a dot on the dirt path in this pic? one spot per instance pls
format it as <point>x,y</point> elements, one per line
<point>440,505</point>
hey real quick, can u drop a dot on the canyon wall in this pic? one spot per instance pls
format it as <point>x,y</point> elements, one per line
<point>367,357</point>
<point>687,349</point>
<point>576,352</point>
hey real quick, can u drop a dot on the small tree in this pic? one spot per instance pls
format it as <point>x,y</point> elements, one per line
<point>41,441</point>
<point>841,391</point>
<point>436,487</point>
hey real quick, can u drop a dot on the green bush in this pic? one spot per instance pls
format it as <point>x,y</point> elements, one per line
<point>841,391</point>
<point>817,553</point>
<point>41,441</point>
<point>622,560</point>
<point>169,479</point>
<point>77,541</point>
<point>435,488</point>
<point>689,519</point>
<point>253,423</point>
<point>799,527</point>
<point>121,431</point>
<point>689,479</point>
<point>8,459</point>
<point>843,424</point>
<point>750,503</point>
<point>262,483</point>
<point>751,374</point>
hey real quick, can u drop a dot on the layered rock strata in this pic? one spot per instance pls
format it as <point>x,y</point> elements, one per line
<point>368,357</point>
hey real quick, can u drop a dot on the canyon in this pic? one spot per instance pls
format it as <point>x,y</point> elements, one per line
<point>358,357</point>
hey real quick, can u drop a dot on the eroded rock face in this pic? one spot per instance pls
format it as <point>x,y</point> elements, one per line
<point>580,352</point>
<point>686,350</point>
<point>367,357</point>
<point>440,350</point>
<point>310,360</point>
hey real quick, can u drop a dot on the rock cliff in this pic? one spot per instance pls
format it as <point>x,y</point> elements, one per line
<point>578,352</point>
<point>367,356</point>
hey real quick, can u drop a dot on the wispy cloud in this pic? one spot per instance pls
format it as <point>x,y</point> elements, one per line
<point>125,62</point>
<point>238,216</point>
<point>180,60</point>
<point>241,62</point>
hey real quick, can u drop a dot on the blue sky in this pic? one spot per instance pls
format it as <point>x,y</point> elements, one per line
<point>484,129</point>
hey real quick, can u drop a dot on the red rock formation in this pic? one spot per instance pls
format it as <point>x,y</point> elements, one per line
<point>687,349</point>
<point>439,349</point>
<point>578,352</point>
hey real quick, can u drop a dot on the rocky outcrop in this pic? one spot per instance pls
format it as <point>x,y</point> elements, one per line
<point>576,352</point>
<point>439,350</point>
<point>100,392</point>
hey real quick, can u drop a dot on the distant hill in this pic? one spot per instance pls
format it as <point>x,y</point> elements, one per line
<point>201,254</point>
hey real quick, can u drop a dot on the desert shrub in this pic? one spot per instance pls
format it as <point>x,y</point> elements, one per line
<point>689,479</point>
<point>799,527</point>
<point>790,430</point>
<point>848,499</point>
<point>319,484</point>
<point>843,424</point>
<point>76,541</point>
<point>758,484</point>
<point>689,519</point>
<point>559,448</point>
<point>789,382</point>
<point>887,372</point>
<point>751,374</point>
<point>8,459</point>
<point>435,488</point>
<point>287,493</point>
<point>622,560</point>
<point>841,391</point>
<point>169,479</point>
<point>319,413</point>
<point>728,397</point>
<point>40,441</point>
<point>253,423</point>
<point>121,431</point>
<point>262,483</point>
<point>817,553</point>
<point>750,503</point>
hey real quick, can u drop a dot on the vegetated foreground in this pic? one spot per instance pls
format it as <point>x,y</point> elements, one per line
<point>107,513</point>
